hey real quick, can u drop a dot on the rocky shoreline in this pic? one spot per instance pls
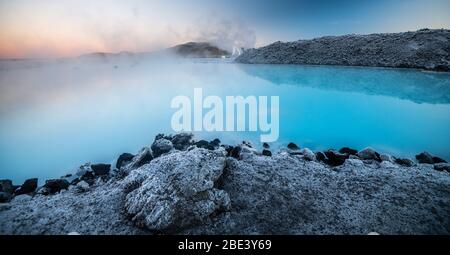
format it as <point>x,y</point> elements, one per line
<point>181,186</point>
<point>427,49</point>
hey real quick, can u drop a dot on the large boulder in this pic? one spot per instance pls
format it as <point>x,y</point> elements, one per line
<point>176,190</point>
<point>28,186</point>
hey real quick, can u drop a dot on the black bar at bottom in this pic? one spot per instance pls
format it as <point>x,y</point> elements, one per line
<point>228,244</point>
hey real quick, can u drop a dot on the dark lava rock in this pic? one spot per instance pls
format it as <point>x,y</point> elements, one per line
<point>144,156</point>
<point>369,154</point>
<point>442,167</point>
<point>55,185</point>
<point>88,177</point>
<point>101,169</point>
<point>293,146</point>
<point>235,152</point>
<point>266,146</point>
<point>161,146</point>
<point>202,144</point>
<point>5,197</point>
<point>28,186</point>
<point>6,186</point>
<point>214,144</point>
<point>347,150</point>
<point>144,159</point>
<point>404,162</point>
<point>75,181</point>
<point>438,160</point>
<point>425,158</point>
<point>320,156</point>
<point>228,149</point>
<point>335,158</point>
<point>267,153</point>
<point>182,141</point>
<point>162,136</point>
<point>124,157</point>
<point>248,144</point>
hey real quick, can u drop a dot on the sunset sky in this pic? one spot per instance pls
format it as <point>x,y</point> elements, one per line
<point>62,28</point>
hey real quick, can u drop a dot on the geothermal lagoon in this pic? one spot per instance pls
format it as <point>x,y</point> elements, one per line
<point>56,115</point>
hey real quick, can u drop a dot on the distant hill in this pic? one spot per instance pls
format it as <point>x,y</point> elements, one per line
<point>107,54</point>
<point>423,49</point>
<point>198,50</point>
<point>187,50</point>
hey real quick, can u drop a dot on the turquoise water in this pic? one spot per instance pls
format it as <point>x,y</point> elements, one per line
<point>54,117</point>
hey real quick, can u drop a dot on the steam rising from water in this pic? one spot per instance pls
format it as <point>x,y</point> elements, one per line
<point>230,35</point>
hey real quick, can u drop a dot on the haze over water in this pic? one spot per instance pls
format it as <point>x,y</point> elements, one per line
<point>59,115</point>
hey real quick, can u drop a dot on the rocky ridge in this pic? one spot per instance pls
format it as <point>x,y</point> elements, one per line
<point>427,49</point>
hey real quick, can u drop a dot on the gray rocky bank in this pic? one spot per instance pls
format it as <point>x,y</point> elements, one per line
<point>427,49</point>
<point>203,187</point>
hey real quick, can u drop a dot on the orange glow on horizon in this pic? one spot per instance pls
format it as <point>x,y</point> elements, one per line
<point>69,28</point>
